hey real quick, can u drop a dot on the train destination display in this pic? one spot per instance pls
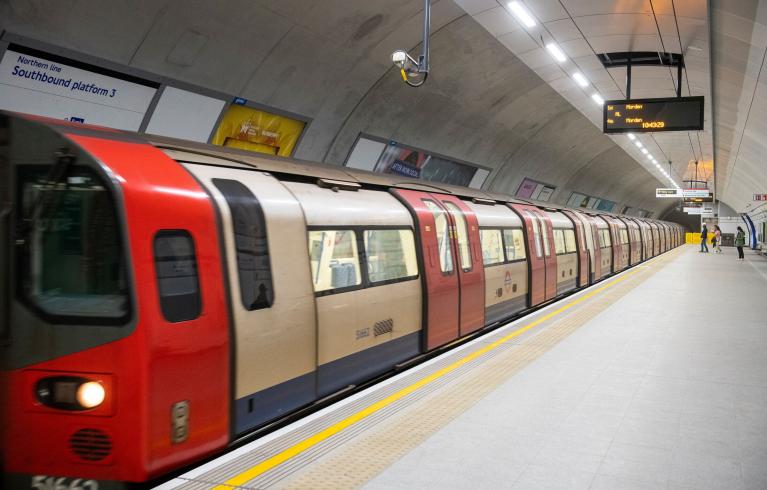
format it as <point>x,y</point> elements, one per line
<point>650,115</point>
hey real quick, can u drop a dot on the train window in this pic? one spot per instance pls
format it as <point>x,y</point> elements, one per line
<point>624,236</point>
<point>390,255</point>
<point>334,259</point>
<point>249,225</point>
<point>605,234</point>
<point>70,255</point>
<point>176,265</point>
<point>559,242</point>
<point>570,241</point>
<point>462,234</point>
<point>492,247</point>
<point>514,241</point>
<point>536,233</point>
<point>545,233</point>
<point>442,229</point>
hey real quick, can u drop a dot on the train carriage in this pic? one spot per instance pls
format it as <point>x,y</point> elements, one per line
<point>504,257</point>
<point>161,298</point>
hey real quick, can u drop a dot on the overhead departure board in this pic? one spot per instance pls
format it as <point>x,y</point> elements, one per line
<point>651,115</point>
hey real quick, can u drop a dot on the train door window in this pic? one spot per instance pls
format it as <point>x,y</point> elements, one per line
<point>70,256</point>
<point>249,226</point>
<point>462,234</point>
<point>559,242</point>
<point>492,247</point>
<point>536,233</point>
<point>390,255</point>
<point>570,241</point>
<point>176,264</point>
<point>545,233</point>
<point>514,242</point>
<point>334,259</point>
<point>442,229</point>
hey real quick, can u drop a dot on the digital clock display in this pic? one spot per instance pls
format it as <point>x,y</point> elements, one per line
<point>650,115</point>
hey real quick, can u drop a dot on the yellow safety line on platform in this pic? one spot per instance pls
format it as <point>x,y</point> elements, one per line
<point>324,434</point>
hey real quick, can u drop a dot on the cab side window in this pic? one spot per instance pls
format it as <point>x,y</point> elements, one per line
<point>177,280</point>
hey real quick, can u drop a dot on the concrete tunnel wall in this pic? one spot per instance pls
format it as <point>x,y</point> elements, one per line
<point>329,61</point>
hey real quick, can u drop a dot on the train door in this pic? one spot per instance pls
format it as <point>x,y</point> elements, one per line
<point>447,259</point>
<point>6,201</point>
<point>583,253</point>
<point>535,255</point>
<point>471,273</point>
<point>547,230</point>
<point>272,298</point>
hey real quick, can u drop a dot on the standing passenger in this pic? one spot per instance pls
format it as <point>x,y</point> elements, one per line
<point>718,238</point>
<point>740,242</point>
<point>703,237</point>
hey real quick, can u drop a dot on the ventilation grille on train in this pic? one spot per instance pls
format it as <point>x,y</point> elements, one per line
<point>91,444</point>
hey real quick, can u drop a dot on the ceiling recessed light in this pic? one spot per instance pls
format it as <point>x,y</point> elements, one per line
<point>638,144</point>
<point>580,79</point>
<point>598,99</point>
<point>556,52</point>
<point>631,136</point>
<point>644,150</point>
<point>522,14</point>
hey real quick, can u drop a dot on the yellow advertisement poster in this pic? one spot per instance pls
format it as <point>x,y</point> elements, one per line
<point>254,130</point>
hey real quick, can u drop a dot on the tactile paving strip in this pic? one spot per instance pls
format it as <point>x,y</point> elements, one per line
<point>344,460</point>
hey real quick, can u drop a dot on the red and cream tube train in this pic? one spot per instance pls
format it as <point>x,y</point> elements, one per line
<point>159,299</point>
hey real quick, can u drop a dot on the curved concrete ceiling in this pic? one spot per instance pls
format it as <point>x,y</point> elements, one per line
<point>329,61</point>
<point>739,34</point>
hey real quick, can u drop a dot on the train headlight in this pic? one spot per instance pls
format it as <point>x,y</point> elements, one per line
<point>90,394</point>
<point>70,393</point>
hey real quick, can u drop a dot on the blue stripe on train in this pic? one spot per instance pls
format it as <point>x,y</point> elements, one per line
<point>259,408</point>
<point>271,403</point>
<point>365,364</point>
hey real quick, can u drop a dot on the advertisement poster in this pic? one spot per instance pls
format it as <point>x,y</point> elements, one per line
<point>399,160</point>
<point>33,84</point>
<point>254,130</point>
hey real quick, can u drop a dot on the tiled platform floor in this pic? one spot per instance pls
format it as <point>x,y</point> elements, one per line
<point>666,388</point>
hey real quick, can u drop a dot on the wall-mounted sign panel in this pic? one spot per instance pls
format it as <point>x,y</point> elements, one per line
<point>651,115</point>
<point>532,189</point>
<point>696,193</point>
<point>47,85</point>
<point>760,197</point>
<point>696,210</point>
<point>186,115</point>
<point>668,193</point>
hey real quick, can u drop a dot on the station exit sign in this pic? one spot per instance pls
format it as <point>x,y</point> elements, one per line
<point>651,115</point>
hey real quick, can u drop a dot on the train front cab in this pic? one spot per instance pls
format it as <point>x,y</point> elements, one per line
<point>111,306</point>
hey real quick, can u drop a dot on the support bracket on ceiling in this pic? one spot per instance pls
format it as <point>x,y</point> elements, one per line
<point>644,58</point>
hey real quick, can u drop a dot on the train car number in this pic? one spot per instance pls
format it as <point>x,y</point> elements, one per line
<point>43,482</point>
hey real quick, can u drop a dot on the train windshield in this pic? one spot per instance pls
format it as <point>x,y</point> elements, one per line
<point>70,258</point>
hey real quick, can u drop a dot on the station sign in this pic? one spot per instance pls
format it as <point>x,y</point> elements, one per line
<point>760,197</point>
<point>708,211</point>
<point>651,115</point>
<point>693,210</point>
<point>696,193</point>
<point>662,193</point>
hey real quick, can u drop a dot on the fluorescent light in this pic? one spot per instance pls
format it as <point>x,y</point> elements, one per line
<point>631,136</point>
<point>598,99</point>
<point>578,77</point>
<point>522,14</point>
<point>638,144</point>
<point>644,150</point>
<point>556,52</point>
<point>649,157</point>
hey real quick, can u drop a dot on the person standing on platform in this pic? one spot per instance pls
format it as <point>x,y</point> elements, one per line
<point>703,238</point>
<point>718,239</point>
<point>740,242</point>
